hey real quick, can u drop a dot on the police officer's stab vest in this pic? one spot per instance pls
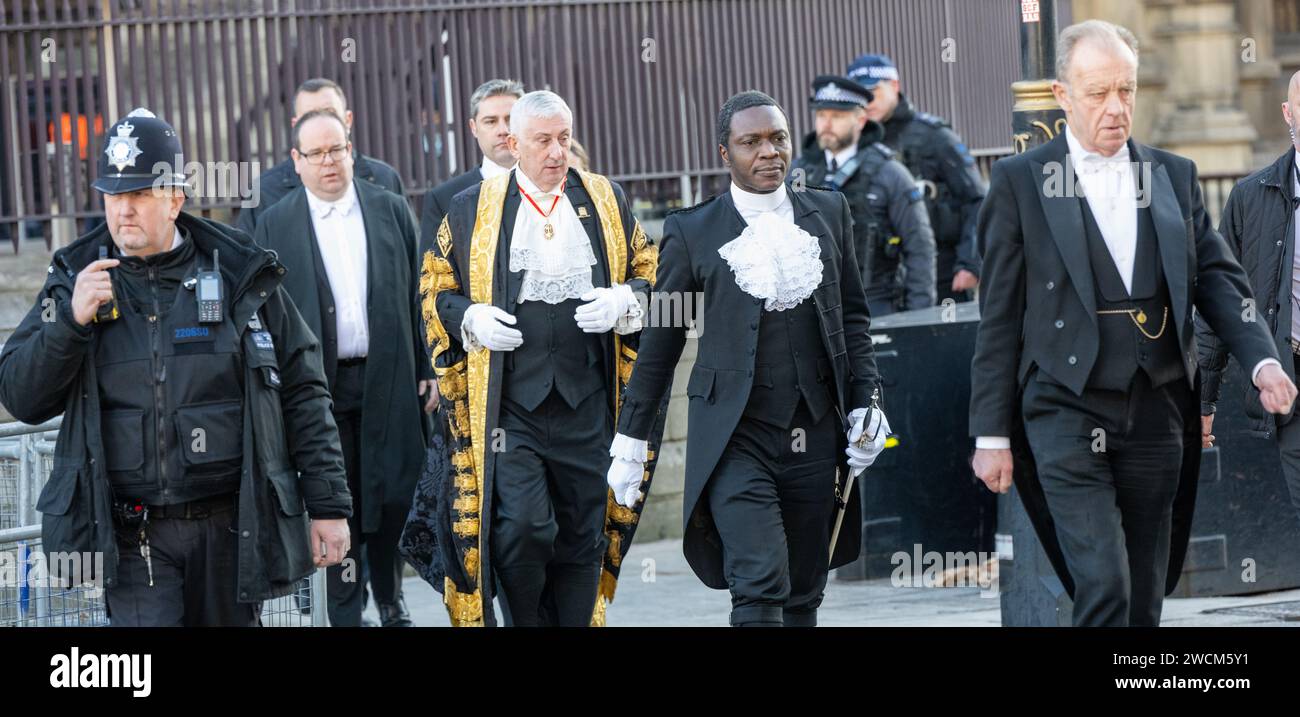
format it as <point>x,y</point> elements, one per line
<point>918,143</point>
<point>171,389</point>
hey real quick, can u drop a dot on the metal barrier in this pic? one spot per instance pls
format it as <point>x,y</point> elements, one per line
<point>29,597</point>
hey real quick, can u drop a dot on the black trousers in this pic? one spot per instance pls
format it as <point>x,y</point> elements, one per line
<point>345,583</point>
<point>548,515</point>
<point>195,579</point>
<point>772,496</point>
<point>1109,463</point>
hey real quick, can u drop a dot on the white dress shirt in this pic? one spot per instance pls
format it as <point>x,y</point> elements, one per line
<point>1109,186</point>
<point>341,236</point>
<point>841,156</point>
<point>490,169</point>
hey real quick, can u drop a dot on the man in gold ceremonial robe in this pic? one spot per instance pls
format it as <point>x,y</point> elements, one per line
<point>533,301</point>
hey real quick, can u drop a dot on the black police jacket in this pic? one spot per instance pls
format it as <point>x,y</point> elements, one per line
<point>891,229</point>
<point>292,465</point>
<point>943,165</point>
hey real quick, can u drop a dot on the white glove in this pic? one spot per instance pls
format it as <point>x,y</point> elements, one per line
<point>484,326</point>
<point>605,307</point>
<point>862,457</point>
<point>624,479</point>
<point>627,469</point>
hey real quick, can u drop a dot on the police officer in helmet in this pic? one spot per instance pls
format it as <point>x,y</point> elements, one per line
<point>197,452</point>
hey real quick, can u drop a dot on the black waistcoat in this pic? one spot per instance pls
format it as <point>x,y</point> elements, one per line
<point>790,364</point>
<point>1124,348</point>
<point>556,355</point>
<point>171,389</point>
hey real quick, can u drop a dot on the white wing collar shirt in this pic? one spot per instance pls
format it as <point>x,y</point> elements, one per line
<point>1109,185</point>
<point>341,236</point>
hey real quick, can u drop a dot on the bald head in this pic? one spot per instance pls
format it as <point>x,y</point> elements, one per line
<point>1291,109</point>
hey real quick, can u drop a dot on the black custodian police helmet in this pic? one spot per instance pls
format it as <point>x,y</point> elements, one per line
<point>141,151</point>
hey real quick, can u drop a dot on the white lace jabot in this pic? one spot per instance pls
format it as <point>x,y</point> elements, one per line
<point>775,260</point>
<point>554,269</point>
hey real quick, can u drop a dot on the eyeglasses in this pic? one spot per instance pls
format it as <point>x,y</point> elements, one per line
<point>336,154</point>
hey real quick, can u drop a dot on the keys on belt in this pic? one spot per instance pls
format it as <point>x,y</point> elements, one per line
<point>134,514</point>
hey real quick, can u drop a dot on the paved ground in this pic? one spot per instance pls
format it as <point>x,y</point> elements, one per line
<point>671,595</point>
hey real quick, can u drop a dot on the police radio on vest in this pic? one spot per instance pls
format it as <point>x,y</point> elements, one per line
<point>209,292</point>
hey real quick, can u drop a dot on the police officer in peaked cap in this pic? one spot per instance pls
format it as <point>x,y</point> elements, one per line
<point>942,165</point>
<point>891,230</point>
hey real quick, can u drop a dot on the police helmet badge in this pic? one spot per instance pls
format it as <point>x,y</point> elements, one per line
<point>123,148</point>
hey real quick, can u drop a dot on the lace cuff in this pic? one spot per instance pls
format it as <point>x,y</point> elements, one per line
<point>629,449</point>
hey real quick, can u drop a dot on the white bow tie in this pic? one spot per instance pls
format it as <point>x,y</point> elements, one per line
<point>1092,163</point>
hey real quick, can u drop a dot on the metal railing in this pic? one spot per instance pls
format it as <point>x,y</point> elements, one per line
<point>1215,189</point>
<point>29,597</point>
<point>645,79</point>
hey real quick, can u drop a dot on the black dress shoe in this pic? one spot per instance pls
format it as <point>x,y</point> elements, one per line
<point>394,614</point>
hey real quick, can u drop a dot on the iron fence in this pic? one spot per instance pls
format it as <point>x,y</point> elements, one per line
<point>645,79</point>
<point>29,594</point>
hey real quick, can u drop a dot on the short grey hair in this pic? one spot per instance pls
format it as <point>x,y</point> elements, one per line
<point>494,88</point>
<point>1098,31</point>
<point>537,105</point>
